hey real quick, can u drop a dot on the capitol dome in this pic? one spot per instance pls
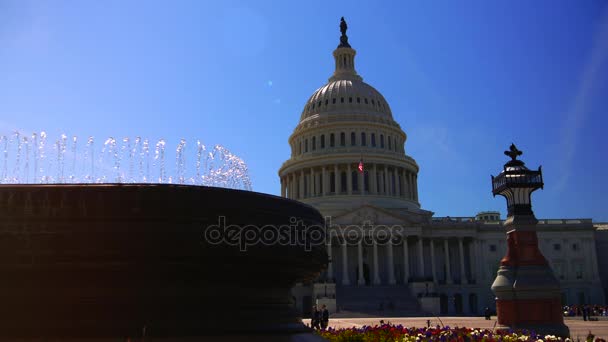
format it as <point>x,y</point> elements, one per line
<point>346,96</point>
<point>347,147</point>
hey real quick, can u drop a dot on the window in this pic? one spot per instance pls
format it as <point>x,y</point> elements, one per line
<point>373,139</point>
<point>557,247</point>
<point>300,148</point>
<point>365,100</point>
<point>492,248</point>
<point>342,139</point>
<point>305,145</point>
<point>389,142</point>
<point>332,182</point>
<point>314,143</point>
<point>363,140</point>
<point>373,102</point>
<point>353,139</point>
<point>395,143</point>
<point>381,140</point>
<point>326,102</point>
<point>341,100</point>
<point>365,181</point>
<point>358,100</point>
<point>350,100</point>
<point>319,104</point>
<point>332,140</point>
<point>575,247</point>
<point>333,101</point>
<point>322,140</point>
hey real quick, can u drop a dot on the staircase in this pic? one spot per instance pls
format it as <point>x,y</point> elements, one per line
<point>376,301</point>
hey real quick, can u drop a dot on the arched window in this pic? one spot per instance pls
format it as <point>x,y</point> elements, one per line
<point>305,145</point>
<point>381,140</point>
<point>342,139</point>
<point>343,182</point>
<point>389,142</point>
<point>332,140</point>
<point>373,139</point>
<point>355,180</point>
<point>314,143</point>
<point>363,139</point>
<point>322,140</point>
<point>353,139</point>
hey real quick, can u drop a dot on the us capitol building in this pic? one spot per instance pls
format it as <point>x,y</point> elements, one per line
<point>387,254</point>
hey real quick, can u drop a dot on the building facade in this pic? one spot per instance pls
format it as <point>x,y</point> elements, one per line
<point>349,160</point>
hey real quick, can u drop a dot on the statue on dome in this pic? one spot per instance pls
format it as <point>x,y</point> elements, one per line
<point>343,26</point>
<point>343,37</point>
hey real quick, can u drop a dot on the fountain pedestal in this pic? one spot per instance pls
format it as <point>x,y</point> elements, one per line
<point>150,261</point>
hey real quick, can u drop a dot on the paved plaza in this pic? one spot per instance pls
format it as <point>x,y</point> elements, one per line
<point>578,328</point>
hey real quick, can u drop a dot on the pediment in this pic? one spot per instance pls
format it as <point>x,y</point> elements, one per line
<point>375,216</point>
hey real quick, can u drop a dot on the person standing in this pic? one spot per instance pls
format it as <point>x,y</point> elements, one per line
<point>324,317</point>
<point>316,318</point>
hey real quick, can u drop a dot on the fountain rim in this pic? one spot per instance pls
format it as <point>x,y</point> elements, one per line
<point>154,185</point>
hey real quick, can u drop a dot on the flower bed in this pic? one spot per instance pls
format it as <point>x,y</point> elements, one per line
<point>394,333</point>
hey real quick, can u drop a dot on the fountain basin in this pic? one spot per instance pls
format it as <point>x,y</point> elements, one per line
<point>148,260</point>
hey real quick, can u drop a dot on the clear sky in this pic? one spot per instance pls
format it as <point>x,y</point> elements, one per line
<point>464,79</point>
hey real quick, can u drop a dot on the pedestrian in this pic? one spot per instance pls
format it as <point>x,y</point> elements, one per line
<point>584,313</point>
<point>324,317</point>
<point>316,318</point>
<point>487,313</point>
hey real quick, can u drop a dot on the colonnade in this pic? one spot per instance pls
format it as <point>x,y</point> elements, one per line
<point>337,179</point>
<point>412,247</point>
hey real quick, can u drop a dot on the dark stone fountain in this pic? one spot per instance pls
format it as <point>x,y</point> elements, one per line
<point>144,261</point>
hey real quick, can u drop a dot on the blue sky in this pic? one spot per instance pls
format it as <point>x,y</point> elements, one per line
<point>464,79</point>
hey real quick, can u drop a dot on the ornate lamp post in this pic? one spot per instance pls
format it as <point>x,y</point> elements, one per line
<point>527,293</point>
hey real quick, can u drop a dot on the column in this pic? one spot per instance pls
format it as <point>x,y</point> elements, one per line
<point>404,181</point>
<point>416,187</point>
<point>349,179</point>
<point>409,185</point>
<point>336,180</point>
<point>330,264</point>
<point>397,183</point>
<point>325,181</point>
<point>361,181</point>
<point>474,260</point>
<point>301,184</point>
<point>283,187</point>
<point>373,181</point>
<point>387,182</point>
<point>420,257</point>
<point>381,183</point>
<point>292,186</point>
<point>593,250</point>
<point>463,273</point>
<point>448,273</point>
<point>311,183</point>
<point>481,260</point>
<point>345,280</point>
<point>412,195</point>
<point>376,273</point>
<point>361,280</point>
<point>406,261</point>
<point>391,264</point>
<point>433,261</point>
